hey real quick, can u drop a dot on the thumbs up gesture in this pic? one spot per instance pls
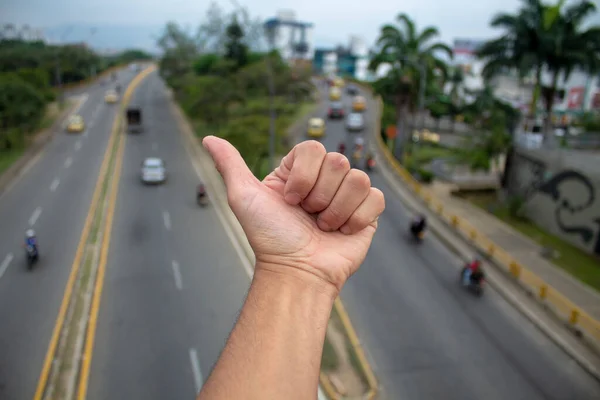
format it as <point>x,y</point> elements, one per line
<point>312,215</point>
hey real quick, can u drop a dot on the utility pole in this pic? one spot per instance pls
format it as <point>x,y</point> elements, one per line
<point>270,31</point>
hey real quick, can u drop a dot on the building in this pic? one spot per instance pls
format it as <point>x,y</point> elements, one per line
<point>292,38</point>
<point>351,61</point>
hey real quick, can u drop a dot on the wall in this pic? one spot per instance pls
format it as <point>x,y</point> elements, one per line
<point>561,191</point>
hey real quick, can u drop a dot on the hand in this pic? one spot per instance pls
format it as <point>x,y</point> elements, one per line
<point>312,214</point>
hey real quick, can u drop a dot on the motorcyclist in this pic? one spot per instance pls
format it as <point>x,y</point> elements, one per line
<point>31,241</point>
<point>342,148</point>
<point>201,191</point>
<point>370,161</point>
<point>359,142</point>
<point>418,224</point>
<point>473,272</point>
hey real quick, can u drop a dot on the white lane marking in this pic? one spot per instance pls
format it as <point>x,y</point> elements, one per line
<point>154,146</point>
<point>54,184</point>
<point>167,220</point>
<point>177,274</point>
<point>68,162</point>
<point>36,214</point>
<point>196,370</point>
<point>5,264</point>
<point>78,145</point>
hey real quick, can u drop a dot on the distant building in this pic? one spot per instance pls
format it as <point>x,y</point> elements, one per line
<point>350,61</point>
<point>292,38</point>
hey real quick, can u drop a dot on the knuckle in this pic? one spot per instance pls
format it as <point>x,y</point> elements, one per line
<point>378,198</point>
<point>317,201</point>
<point>359,178</point>
<point>337,162</point>
<point>312,146</point>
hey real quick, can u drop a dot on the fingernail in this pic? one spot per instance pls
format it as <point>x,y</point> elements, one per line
<point>324,225</point>
<point>345,230</point>
<point>293,198</point>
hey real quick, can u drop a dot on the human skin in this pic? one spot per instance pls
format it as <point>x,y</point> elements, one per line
<point>310,224</point>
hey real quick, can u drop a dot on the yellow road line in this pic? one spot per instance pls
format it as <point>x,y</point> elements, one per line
<point>99,285</point>
<point>60,319</point>
<point>93,321</point>
<point>72,276</point>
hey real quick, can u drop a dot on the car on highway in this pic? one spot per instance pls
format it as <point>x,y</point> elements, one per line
<point>111,96</point>
<point>355,122</point>
<point>359,103</point>
<point>153,170</point>
<point>336,110</point>
<point>75,124</point>
<point>338,82</point>
<point>351,89</point>
<point>316,127</point>
<point>335,93</point>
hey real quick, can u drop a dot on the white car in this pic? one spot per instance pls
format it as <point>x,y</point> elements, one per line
<point>153,170</point>
<point>355,122</point>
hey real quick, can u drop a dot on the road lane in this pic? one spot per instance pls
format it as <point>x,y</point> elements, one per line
<point>427,338</point>
<point>29,300</point>
<point>172,290</point>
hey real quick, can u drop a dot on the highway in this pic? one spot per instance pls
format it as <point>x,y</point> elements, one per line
<point>427,338</point>
<point>174,282</point>
<point>53,197</point>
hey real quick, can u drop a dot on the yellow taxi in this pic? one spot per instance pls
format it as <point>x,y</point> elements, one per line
<point>111,97</point>
<point>75,124</point>
<point>335,93</point>
<point>359,103</point>
<point>338,82</point>
<point>316,127</point>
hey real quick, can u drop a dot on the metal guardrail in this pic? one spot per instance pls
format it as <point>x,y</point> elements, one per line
<point>576,318</point>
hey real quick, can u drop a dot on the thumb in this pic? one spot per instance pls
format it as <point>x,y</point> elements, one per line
<point>229,163</point>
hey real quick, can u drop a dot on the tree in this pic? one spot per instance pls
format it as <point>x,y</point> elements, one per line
<point>405,49</point>
<point>179,49</point>
<point>541,37</point>
<point>235,48</point>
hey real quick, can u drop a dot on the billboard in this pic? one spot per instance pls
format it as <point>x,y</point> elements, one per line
<point>467,46</point>
<point>575,98</point>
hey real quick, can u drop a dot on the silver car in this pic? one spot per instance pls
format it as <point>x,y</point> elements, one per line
<point>355,122</point>
<point>153,170</point>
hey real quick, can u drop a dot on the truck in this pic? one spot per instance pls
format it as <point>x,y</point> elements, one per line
<point>133,116</point>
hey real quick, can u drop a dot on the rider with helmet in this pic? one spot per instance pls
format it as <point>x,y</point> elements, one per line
<point>473,272</point>
<point>418,224</point>
<point>31,242</point>
<point>342,148</point>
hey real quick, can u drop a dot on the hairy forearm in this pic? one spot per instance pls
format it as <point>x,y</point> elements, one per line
<point>274,350</point>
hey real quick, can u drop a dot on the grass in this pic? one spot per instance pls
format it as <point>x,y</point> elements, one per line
<point>422,153</point>
<point>329,360</point>
<point>8,157</point>
<point>571,259</point>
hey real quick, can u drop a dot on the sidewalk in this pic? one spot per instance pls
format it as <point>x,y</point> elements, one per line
<point>523,249</point>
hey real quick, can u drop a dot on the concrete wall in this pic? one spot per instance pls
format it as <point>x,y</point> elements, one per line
<point>561,191</point>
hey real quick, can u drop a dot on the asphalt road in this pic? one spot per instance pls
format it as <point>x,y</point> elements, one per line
<point>53,197</point>
<point>427,338</point>
<point>174,283</point>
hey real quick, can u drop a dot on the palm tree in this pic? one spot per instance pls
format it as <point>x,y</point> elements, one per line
<point>409,52</point>
<point>541,37</point>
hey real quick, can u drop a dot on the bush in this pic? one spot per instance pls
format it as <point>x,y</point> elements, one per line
<point>425,176</point>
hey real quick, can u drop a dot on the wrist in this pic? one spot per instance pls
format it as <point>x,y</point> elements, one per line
<point>296,281</point>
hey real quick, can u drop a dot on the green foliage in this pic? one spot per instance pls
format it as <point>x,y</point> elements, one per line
<point>590,122</point>
<point>205,64</point>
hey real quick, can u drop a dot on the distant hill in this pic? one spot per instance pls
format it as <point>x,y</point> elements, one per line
<point>107,37</point>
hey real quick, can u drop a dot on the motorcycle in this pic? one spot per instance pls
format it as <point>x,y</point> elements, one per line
<point>475,286</point>
<point>31,254</point>
<point>416,234</point>
<point>202,200</point>
<point>370,164</point>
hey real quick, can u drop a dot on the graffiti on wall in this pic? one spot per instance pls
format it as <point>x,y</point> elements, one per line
<point>571,202</point>
<point>571,207</point>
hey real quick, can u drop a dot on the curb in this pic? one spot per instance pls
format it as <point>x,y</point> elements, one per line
<point>34,149</point>
<point>217,193</point>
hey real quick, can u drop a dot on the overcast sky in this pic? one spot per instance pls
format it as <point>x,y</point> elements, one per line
<point>334,20</point>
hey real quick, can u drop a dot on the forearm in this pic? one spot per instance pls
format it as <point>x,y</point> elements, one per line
<point>274,350</point>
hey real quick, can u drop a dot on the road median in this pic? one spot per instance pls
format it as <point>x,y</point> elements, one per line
<point>66,367</point>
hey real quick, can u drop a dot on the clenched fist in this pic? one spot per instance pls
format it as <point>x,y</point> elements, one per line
<point>312,215</point>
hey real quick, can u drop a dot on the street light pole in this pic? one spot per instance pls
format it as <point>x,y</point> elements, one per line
<point>270,33</point>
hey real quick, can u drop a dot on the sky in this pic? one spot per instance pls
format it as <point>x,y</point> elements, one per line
<point>125,23</point>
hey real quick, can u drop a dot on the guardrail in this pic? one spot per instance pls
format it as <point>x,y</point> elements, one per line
<point>577,319</point>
